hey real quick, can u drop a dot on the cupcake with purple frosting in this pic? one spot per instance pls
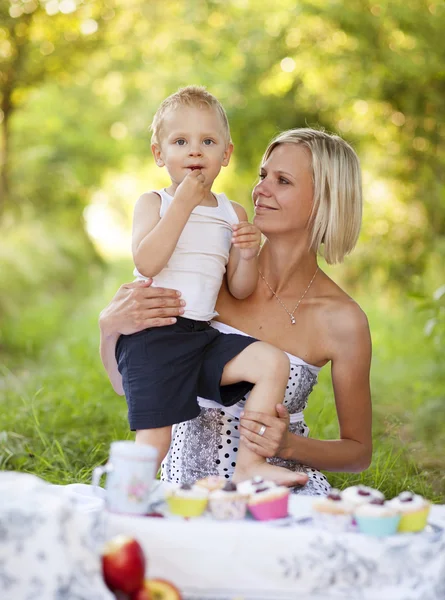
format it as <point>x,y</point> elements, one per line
<point>333,511</point>
<point>361,494</point>
<point>187,500</point>
<point>228,503</point>
<point>413,510</point>
<point>377,518</point>
<point>266,499</point>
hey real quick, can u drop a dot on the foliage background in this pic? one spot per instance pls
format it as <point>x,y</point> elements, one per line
<point>79,83</point>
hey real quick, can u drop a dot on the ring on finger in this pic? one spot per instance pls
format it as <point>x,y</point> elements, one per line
<point>262,430</point>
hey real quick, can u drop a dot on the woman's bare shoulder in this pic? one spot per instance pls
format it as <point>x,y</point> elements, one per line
<point>341,316</point>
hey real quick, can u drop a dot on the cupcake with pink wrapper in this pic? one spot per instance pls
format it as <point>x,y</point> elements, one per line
<point>333,511</point>
<point>413,510</point>
<point>228,503</point>
<point>377,518</point>
<point>266,500</point>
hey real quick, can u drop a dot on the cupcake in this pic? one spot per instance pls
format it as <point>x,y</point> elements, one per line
<point>413,509</point>
<point>377,518</point>
<point>333,511</point>
<point>361,494</point>
<point>187,500</point>
<point>211,483</point>
<point>250,486</point>
<point>228,503</point>
<point>266,500</point>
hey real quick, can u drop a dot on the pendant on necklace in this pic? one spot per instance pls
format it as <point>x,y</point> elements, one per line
<point>292,320</point>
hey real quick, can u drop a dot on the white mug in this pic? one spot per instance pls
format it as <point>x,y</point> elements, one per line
<point>131,471</point>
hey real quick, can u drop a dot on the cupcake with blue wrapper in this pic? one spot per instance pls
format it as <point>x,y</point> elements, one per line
<point>377,518</point>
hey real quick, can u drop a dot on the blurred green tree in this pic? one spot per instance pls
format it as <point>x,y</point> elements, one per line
<point>41,40</point>
<point>88,76</point>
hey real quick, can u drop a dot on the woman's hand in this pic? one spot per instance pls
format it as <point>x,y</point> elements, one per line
<point>134,307</point>
<point>265,435</point>
<point>137,306</point>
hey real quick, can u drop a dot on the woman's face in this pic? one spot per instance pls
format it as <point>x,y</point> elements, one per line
<point>284,195</point>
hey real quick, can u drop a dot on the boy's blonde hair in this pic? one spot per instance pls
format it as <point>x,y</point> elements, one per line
<point>192,95</point>
<point>337,209</point>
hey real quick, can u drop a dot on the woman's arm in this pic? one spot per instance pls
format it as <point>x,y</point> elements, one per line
<point>350,344</point>
<point>134,307</point>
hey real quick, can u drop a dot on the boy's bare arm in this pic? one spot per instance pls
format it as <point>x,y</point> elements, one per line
<point>154,239</point>
<point>242,268</point>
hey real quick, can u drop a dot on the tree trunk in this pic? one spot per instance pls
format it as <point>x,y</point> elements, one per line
<point>4,153</point>
<point>11,75</point>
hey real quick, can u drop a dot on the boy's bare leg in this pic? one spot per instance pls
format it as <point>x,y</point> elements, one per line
<point>268,369</point>
<point>160,438</point>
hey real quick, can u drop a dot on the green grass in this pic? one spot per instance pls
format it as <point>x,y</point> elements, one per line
<point>59,413</point>
<point>408,394</point>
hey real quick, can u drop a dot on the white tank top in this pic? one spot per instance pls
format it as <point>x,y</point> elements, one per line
<point>198,263</point>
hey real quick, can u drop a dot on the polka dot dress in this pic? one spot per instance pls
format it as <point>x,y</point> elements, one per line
<point>208,445</point>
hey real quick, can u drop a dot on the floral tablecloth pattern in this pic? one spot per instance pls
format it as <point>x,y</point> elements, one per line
<point>291,559</point>
<point>51,536</point>
<point>49,545</point>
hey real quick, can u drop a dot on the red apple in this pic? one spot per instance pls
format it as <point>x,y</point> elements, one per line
<point>123,564</point>
<point>161,589</point>
<point>143,593</point>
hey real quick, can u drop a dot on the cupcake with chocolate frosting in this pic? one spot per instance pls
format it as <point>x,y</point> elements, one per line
<point>228,503</point>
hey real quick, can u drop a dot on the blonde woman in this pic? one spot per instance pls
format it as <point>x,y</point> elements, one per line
<point>308,201</point>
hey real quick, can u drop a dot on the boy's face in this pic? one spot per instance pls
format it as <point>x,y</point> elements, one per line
<point>192,138</point>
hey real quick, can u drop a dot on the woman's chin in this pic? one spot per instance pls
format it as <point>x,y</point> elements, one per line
<point>265,225</point>
<point>259,219</point>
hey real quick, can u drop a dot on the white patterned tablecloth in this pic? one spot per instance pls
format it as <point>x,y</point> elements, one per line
<point>49,542</point>
<point>51,536</point>
<point>286,560</point>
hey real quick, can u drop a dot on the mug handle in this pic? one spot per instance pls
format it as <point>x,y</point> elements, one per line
<point>97,474</point>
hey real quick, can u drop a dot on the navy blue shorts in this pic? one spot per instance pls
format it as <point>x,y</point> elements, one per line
<point>165,369</point>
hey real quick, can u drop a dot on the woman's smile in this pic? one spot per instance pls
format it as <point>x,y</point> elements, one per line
<point>262,207</point>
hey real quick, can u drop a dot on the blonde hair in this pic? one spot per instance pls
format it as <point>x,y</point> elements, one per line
<point>337,209</point>
<point>192,95</point>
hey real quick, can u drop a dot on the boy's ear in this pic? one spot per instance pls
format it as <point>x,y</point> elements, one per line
<point>156,150</point>
<point>227,155</point>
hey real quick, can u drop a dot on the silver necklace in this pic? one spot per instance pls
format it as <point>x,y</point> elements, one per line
<point>291,314</point>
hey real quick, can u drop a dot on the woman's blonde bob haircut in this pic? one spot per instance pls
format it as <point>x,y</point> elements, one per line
<point>337,209</point>
<point>191,95</point>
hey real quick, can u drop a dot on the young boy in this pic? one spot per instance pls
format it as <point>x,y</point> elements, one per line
<point>184,237</point>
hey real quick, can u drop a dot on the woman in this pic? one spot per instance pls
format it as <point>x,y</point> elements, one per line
<point>308,196</point>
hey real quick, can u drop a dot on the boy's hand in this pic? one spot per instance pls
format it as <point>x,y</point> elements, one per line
<point>247,238</point>
<point>192,191</point>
